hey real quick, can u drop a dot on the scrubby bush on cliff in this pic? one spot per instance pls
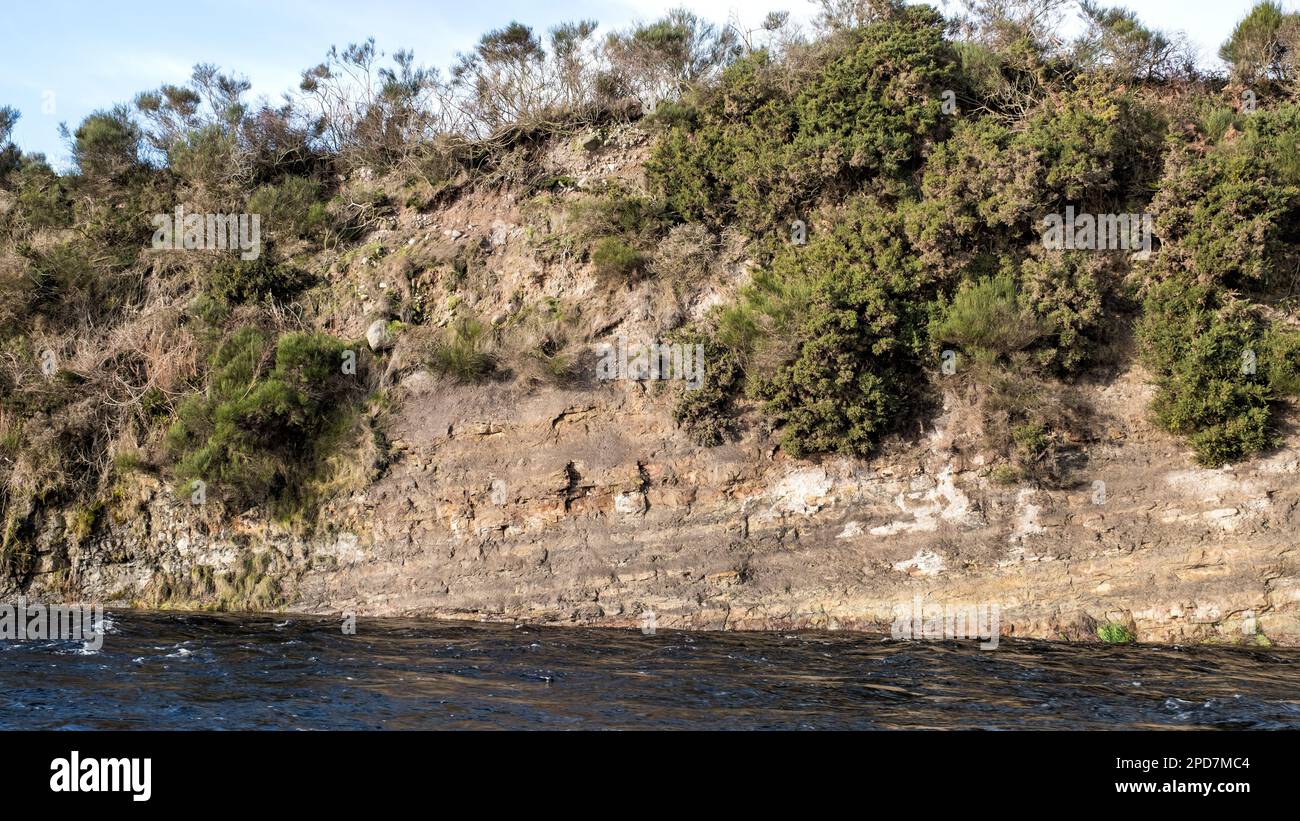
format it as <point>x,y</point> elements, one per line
<point>236,281</point>
<point>827,338</point>
<point>1221,369</point>
<point>979,196</point>
<point>1097,147</point>
<point>989,318</point>
<point>1264,46</point>
<point>1069,290</point>
<point>615,259</point>
<point>848,381</point>
<point>619,228</point>
<point>765,143</point>
<point>1229,216</point>
<point>106,146</point>
<point>219,144</point>
<point>290,209</point>
<point>270,413</point>
<point>42,196</point>
<point>707,412</point>
<point>1227,219</point>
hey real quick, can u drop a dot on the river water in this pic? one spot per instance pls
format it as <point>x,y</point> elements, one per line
<point>190,671</point>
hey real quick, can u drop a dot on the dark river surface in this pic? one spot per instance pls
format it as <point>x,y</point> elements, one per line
<point>189,671</point>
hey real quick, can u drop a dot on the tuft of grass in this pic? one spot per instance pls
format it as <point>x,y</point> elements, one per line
<point>465,351</point>
<point>1115,633</point>
<point>989,318</point>
<point>1005,475</point>
<point>616,259</point>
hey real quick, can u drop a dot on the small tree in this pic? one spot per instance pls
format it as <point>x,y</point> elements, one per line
<point>9,153</point>
<point>106,146</point>
<point>1116,40</point>
<point>1262,46</point>
<point>660,60</point>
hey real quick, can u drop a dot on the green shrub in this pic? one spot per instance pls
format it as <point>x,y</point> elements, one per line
<point>291,208</point>
<point>237,281</point>
<point>42,196</point>
<point>989,319</point>
<point>1095,147</point>
<point>1068,290</point>
<point>272,411</point>
<point>843,390</point>
<point>1217,370</point>
<point>615,259</point>
<point>1280,359</point>
<point>617,212</point>
<point>851,370</point>
<point>1229,217</point>
<point>764,145</point>
<point>1216,119</point>
<point>830,335</point>
<point>980,195</point>
<point>205,158</point>
<point>707,413</point>
<point>106,146</point>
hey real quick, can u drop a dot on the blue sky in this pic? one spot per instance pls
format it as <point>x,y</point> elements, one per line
<point>62,60</point>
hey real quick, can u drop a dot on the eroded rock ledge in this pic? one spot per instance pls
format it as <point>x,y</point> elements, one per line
<point>587,507</point>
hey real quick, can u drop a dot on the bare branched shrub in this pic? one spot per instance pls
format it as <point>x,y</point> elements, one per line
<point>842,15</point>
<point>680,263</point>
<point>512,77</point>
<point>1115,40</point>
<point>371,115</point>
<point>217,142</point>
<point>659,61</point>
<point>1016,24</point>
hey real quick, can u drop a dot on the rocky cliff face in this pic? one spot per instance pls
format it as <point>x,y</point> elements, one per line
<point>587,507</point>
<point>586,504</point>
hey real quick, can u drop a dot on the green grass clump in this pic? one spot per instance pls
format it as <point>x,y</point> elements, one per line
<point>466,351</point>
<point>615,259</point>
<point>1115,633</point>
<point>989,319</point>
